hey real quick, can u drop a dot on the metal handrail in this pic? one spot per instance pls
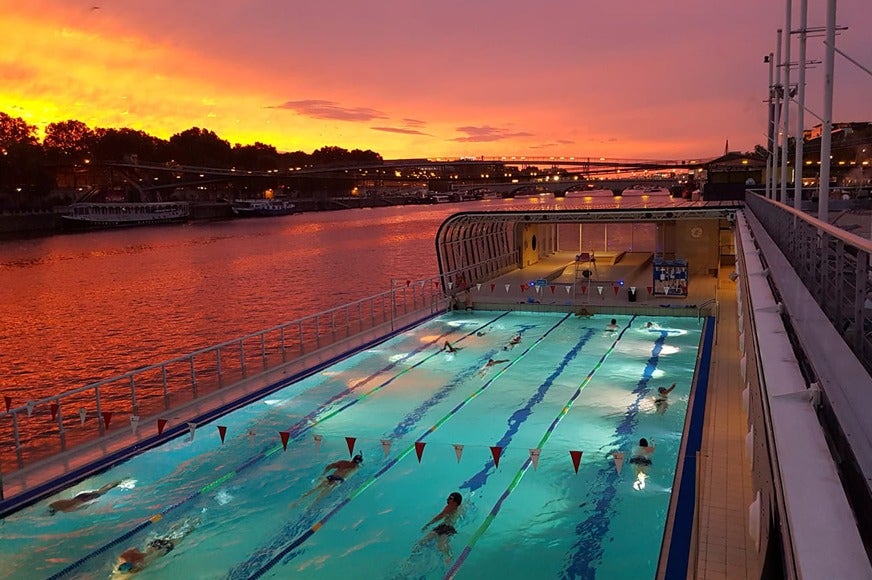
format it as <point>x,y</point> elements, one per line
<point>151,388</point>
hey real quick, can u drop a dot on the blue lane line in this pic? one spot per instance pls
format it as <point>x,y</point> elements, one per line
<point>295,543</point>
<point>588,548</point>
<point>299,429</point>
<point>679,546</point>
<point>452,572</point>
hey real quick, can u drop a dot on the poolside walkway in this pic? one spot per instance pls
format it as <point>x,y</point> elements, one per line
<point>726,550</point>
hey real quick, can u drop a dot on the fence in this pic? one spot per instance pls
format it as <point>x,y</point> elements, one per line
<point>45,427</point>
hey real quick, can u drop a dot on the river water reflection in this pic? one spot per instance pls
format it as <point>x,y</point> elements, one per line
<point>78,308</point>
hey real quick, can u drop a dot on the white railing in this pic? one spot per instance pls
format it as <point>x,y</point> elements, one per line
<point>41,428</point>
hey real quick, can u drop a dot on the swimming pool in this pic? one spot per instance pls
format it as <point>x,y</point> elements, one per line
<point>568,387</point>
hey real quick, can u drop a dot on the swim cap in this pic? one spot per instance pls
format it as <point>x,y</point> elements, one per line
<point>456,497</point>
<point>358,458</point>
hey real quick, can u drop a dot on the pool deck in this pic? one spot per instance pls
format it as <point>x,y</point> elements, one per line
<point>724,549</point>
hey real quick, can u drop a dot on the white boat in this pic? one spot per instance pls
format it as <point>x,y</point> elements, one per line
<point>111,215</point>
<point>649,190</point>
<point>262,207</point>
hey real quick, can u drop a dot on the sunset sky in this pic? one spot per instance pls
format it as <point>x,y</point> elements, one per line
<point>667,79</point>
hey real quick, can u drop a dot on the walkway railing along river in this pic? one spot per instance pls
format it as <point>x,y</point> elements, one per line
<point>42,428</point>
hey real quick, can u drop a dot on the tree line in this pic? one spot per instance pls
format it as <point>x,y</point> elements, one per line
<point>28,166</point>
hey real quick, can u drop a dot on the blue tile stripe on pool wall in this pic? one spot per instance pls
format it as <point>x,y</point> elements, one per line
<point>682,529</point>
<point>592,532</point>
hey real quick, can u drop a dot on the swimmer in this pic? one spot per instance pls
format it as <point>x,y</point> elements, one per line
<point>583,313</point>
<point>448,516</point>
<point>81,500</point>
<point>512,343</point>
<point>342,470</point>
<point>134,560</point>
<point>447,346</point>
<point>661,401</point>
<point>641,461</point>
<point>612,326</point>
<point>489,364</point>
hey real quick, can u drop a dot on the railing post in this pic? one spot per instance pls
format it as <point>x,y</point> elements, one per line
<point>100,427</point>
<point>300,326</point>
<point>860,277</point>
<point>166,392</point>
<point>218,367</point>
<point>263,349</point>
<point>282,337</point>
<point>132,395</point>
<point>317,332</point>
<point>61,433</point>
<point>193,376</point>
<point>17,438</point>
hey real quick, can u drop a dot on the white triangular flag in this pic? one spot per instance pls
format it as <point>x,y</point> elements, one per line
<point>134,423</point>
<point>386,446</point>
<point>538,288</point>
<point>534,457</point>
<point>619,460</point>
<point>83,413</point>
<point>318,439</point>
<point>450,285</point>
<point>478,286</point>
<point>458,451</point>
<point>507,288</point>
<point>633,289</point>
<point>30,406</point>
<point>567,289</point>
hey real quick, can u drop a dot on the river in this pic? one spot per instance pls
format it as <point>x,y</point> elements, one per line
<point>81,307</point>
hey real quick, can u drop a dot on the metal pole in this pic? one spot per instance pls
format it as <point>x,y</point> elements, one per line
<point>777,136</point>
<point>770,129</point>
<point>827,127</point>
<point>800,109</point>
<point>786,104</point>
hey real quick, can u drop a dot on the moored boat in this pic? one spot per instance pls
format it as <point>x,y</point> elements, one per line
<point>111,215</point>
<point>262,207</point>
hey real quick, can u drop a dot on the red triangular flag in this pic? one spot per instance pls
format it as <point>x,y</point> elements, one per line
<point>285,435</point>
<point>350,441</point>
<point>54,411</point>
<point>408,282</point>
<point>523,287</point>
<point>222,431</point>
<point>649,290</point>
<point>584,289</point>
<point>496,451</point>
<point>8,401</point>
<point>616,289</point>
<point>161,423</point>
<point>419,449</point>
<point>107,416</point>
<point>552,288</point>
<point>576,459</point>
<point>493,286</point>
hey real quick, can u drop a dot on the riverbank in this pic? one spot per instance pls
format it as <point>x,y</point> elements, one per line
<point>15,225</point>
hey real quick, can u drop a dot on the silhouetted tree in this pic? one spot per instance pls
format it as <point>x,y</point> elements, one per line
<point>22,171</point>
<point>200,147</point>
<point>258,156</point>
<point>130,145</point>
<point>68,141</point>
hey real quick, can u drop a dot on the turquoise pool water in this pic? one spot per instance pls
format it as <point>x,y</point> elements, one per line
<point>570,386</point>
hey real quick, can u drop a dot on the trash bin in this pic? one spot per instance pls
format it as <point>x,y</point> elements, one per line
<point>631,294</point>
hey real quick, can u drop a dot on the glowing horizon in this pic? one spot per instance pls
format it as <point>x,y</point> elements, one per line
<point>406,82</point>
